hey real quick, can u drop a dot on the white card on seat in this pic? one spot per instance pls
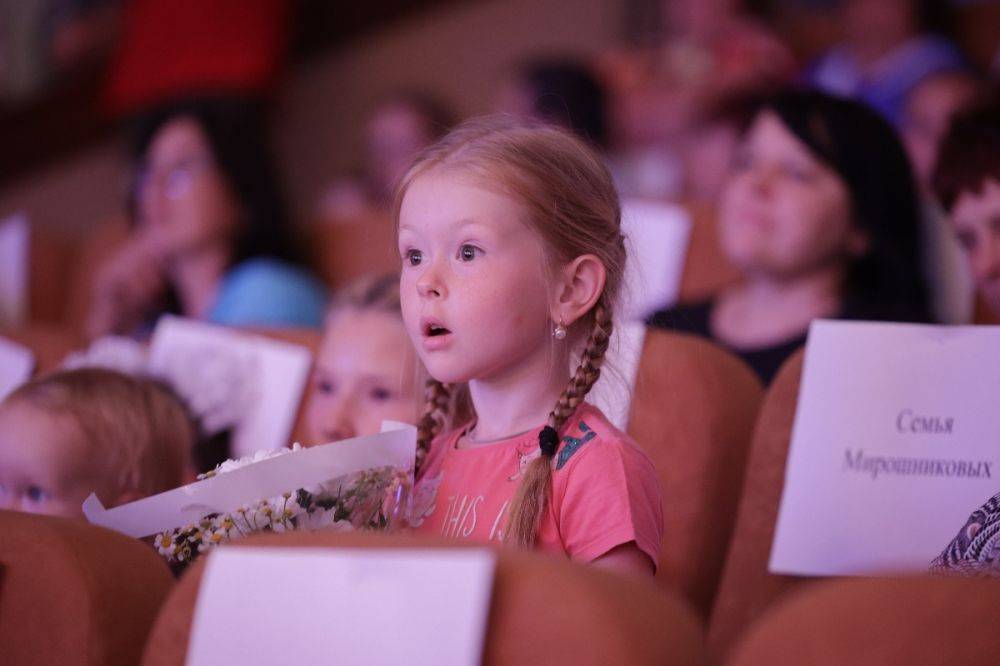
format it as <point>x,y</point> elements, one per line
<point>656,243</point>
<point>14,258</point>
<point>304,606</point>
<point>233,379</point>
<point>16,364</point>
<point>896,442</point>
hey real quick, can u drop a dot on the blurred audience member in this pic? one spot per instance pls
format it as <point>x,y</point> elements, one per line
<point>926,115</point>
<point>366,369</point>
<point>967,182</point>
<point>398,128</point>
<point>710,50</point>
<point>711,146</point>
<point>210,238</point>
<point>821,214</point>
<point>559,91</point>
<point>927,112</point>
<point>887,50</point>
<point>74,432</point>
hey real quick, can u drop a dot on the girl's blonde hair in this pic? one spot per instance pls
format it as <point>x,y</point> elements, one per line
<point>570,201</point>
<point>138,428</point>
<point>369,292</point>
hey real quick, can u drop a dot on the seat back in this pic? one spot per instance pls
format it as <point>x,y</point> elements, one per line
<point>983,314</point>
<point>747,588</point>
<point>543,610</point>
<point>706,269</point>
<point>342,250</point>
<point>48,342</point>
<point>913,621</point>
<point>72,593</point>
<point>693,409</point>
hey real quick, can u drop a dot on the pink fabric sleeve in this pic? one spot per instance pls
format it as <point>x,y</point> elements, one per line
<point>608,495</point>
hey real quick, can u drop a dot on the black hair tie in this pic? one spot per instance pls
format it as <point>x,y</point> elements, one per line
<point>548,441</point>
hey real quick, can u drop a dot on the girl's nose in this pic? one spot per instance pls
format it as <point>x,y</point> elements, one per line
<point>430,283</point>
<point>338,423</point>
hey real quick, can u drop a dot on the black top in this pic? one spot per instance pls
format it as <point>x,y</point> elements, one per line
<point>765,361</point>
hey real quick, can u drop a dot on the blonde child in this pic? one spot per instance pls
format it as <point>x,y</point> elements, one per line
<point>71,433</point>
<point>365,367</point>
<point>512,260</point>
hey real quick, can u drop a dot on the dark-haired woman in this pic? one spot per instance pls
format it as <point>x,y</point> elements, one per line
<point>821,215</point>
<point>209,237</point>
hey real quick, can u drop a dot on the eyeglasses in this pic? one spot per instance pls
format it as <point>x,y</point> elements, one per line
<point>176,180</point>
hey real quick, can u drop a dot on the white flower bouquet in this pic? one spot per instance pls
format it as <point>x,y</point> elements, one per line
<point>357,484</point>
<point>366,500</point>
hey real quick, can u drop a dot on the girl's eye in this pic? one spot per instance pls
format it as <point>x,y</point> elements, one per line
<point>414,257</point>
<point>324,386</point>
<point>36,494</point>
<point>380,394</point>
<point>467,252</point>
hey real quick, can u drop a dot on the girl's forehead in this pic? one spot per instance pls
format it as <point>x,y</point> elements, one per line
<point>455,198</point>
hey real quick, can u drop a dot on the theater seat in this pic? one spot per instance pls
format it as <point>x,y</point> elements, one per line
<point>342,250</point>
<point>51,258</point>
<point>543,611</point>
<point>747,589</point>
<point>49,343</point>
<point>706,269</point>
<point>75,594</point>
<point>983,314</point>
<point>915,621</point>
<point>693,409</point>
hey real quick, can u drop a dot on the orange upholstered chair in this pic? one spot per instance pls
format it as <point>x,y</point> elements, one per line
<point>543,610</point>
<point>983,314</point>
<point>342,250</point>
<point>51,257</point>
<point>914,621</point>
<point>706,268</point>
<point>72,593</point>
<point>747,589</point>
<point>693,409</point>
<point>49,343</point>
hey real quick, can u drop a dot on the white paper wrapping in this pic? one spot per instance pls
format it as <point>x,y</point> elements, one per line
<point>257,481</point>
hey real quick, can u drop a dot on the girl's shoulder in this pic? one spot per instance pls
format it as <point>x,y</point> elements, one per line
<point>588,434</point>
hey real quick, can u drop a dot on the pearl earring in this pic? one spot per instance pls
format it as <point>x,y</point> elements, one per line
<point>559,332</point>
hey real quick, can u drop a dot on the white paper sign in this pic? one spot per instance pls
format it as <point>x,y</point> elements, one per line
<point>309,606</point>
<point>656,243</point>
<point>14,258</point>
<point>234,378</point>
<point>261,480</point>
<point>16,364</point>
<point>896,442</point>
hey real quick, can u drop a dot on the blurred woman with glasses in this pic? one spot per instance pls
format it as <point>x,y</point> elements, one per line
<point>209,233</point>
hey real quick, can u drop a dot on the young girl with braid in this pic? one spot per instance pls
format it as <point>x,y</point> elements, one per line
<point>512,259</point>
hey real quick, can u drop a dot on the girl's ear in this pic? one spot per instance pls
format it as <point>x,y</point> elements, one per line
<point>581,285</point>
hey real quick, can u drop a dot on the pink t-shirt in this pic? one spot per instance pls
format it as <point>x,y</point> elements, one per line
<point>605,491</point>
